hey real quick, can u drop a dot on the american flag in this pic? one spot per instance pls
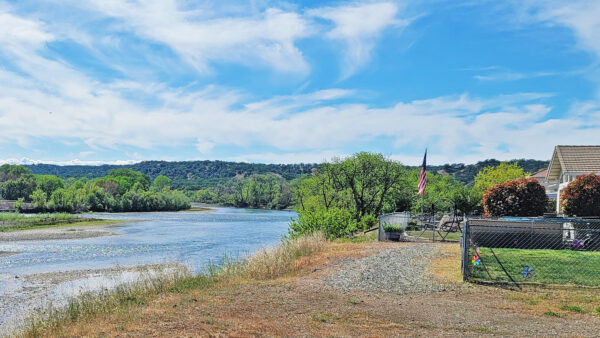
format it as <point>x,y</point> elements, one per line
<point>423,177</point>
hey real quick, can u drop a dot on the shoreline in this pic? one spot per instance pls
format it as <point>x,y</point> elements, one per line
<point>7,253</point>
<point>29,294</point>
<point>81,230</point>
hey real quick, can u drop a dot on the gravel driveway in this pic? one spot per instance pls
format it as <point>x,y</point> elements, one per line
<point>400,270</point>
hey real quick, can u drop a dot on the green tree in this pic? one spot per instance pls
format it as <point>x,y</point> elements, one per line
<point>23,187</point>
<point>11,172</point>
<point>39,198</point>
<point>48,183</point>
<point>491,176</point>
<point>161,183</point>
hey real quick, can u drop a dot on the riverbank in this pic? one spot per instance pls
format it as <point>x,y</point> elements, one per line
<point>39,292</point>
<point>78,230</point>
<point>341,289</point>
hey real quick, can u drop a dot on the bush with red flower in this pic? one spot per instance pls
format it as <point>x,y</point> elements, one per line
<point>582,196</point>
<point>522,197</point>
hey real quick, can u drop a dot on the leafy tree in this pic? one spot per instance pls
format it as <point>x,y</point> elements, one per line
<point>10,172</point>
<point>110,187</point>
<point>368,178</point>
<point>491,176</point>
<point>39,198</point>
<point>48,183</point>
<point>161,183</point>
<point>127,179</point>
<point>522,197</point>
<point>333,222</point>
<point>23,187</point>
<point>581,197</point>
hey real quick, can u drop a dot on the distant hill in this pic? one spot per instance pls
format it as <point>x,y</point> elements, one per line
<point>184,175</point>
<point>201,174</point>
<point>466,173</point>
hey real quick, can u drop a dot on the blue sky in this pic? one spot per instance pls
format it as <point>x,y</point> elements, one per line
<point>105,81</point>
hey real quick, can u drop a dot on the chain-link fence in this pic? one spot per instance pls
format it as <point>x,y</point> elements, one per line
<point>538,251</point>
<point>392,226</point>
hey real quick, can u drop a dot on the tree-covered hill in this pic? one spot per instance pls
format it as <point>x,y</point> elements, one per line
<point>184,175</point>
<point>193,175</point>
<point>467,173</point>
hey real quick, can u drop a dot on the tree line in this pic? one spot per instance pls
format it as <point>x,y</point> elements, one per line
<point>266,191</point>
<point>347,195</point>
<point>197,175</point>
<point>121,190</point>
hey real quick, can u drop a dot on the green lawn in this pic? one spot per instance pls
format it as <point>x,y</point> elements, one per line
<point>453,236</point>
<point>549,266</point>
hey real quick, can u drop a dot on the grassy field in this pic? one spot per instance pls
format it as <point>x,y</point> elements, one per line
<point>549,266</point>
<point>16,221</point>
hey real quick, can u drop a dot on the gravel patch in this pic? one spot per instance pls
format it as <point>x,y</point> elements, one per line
<point>7,253</point>
<point>56,233</point>
<point>401,270</point>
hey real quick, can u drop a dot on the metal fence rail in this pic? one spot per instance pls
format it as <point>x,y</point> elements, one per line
<point>532,251</point>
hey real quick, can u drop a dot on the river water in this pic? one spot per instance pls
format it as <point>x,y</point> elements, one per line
<point>193,239</point>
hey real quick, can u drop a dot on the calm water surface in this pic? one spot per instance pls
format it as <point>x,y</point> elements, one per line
<point>191,238</point>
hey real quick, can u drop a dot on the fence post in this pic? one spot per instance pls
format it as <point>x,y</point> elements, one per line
<point>464,244</point>
<point>380,231</point>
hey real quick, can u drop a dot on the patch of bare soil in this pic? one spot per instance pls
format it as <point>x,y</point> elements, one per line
<point>301,305</point>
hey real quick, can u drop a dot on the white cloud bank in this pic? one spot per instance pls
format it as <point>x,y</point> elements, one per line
<point>48,99</point>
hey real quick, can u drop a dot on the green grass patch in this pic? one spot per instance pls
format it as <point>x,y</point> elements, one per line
<point>44,221</point>
<point>354,301</point>
<point>324,317</point>
<point>572,308</point>
<point>554,314</point>
<point>549,266</point>
<point>362,238</point>
<point>452,236</point>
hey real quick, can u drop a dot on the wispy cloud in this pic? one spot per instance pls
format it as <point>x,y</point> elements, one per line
<point>201,39</point>
<point>358,26</point>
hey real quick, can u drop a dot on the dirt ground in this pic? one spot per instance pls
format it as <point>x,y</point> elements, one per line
<point>299,306</point>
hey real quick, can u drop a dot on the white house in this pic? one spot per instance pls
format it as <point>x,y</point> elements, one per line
<point>567,163</point>
<point>540,176</point>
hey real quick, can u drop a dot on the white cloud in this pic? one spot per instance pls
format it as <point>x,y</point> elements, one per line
<point>358,26</point>
<point>289,157</point>
<point>306,127</point>
<point>583,17</point>
<point>17,33</point>
<point>25,160</point>
<point>201,39</point>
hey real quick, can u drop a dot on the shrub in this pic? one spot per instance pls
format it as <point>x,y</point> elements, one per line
<point>522,197</point>
<point>412,225</point>
<point>582,196</point>
<point>367,222</point>
<point>333,222</point>
<point>393,228</point>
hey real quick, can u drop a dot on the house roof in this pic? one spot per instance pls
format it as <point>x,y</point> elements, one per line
<point>573,159</point>
<point>542,173</point>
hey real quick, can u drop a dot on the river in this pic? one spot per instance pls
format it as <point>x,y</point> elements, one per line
<point>193,239</point>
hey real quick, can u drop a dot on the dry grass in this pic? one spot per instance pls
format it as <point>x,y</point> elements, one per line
<point>270,263</point>
<point>122,302</point>
<point>446,264</point>
<point>294,304</point>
